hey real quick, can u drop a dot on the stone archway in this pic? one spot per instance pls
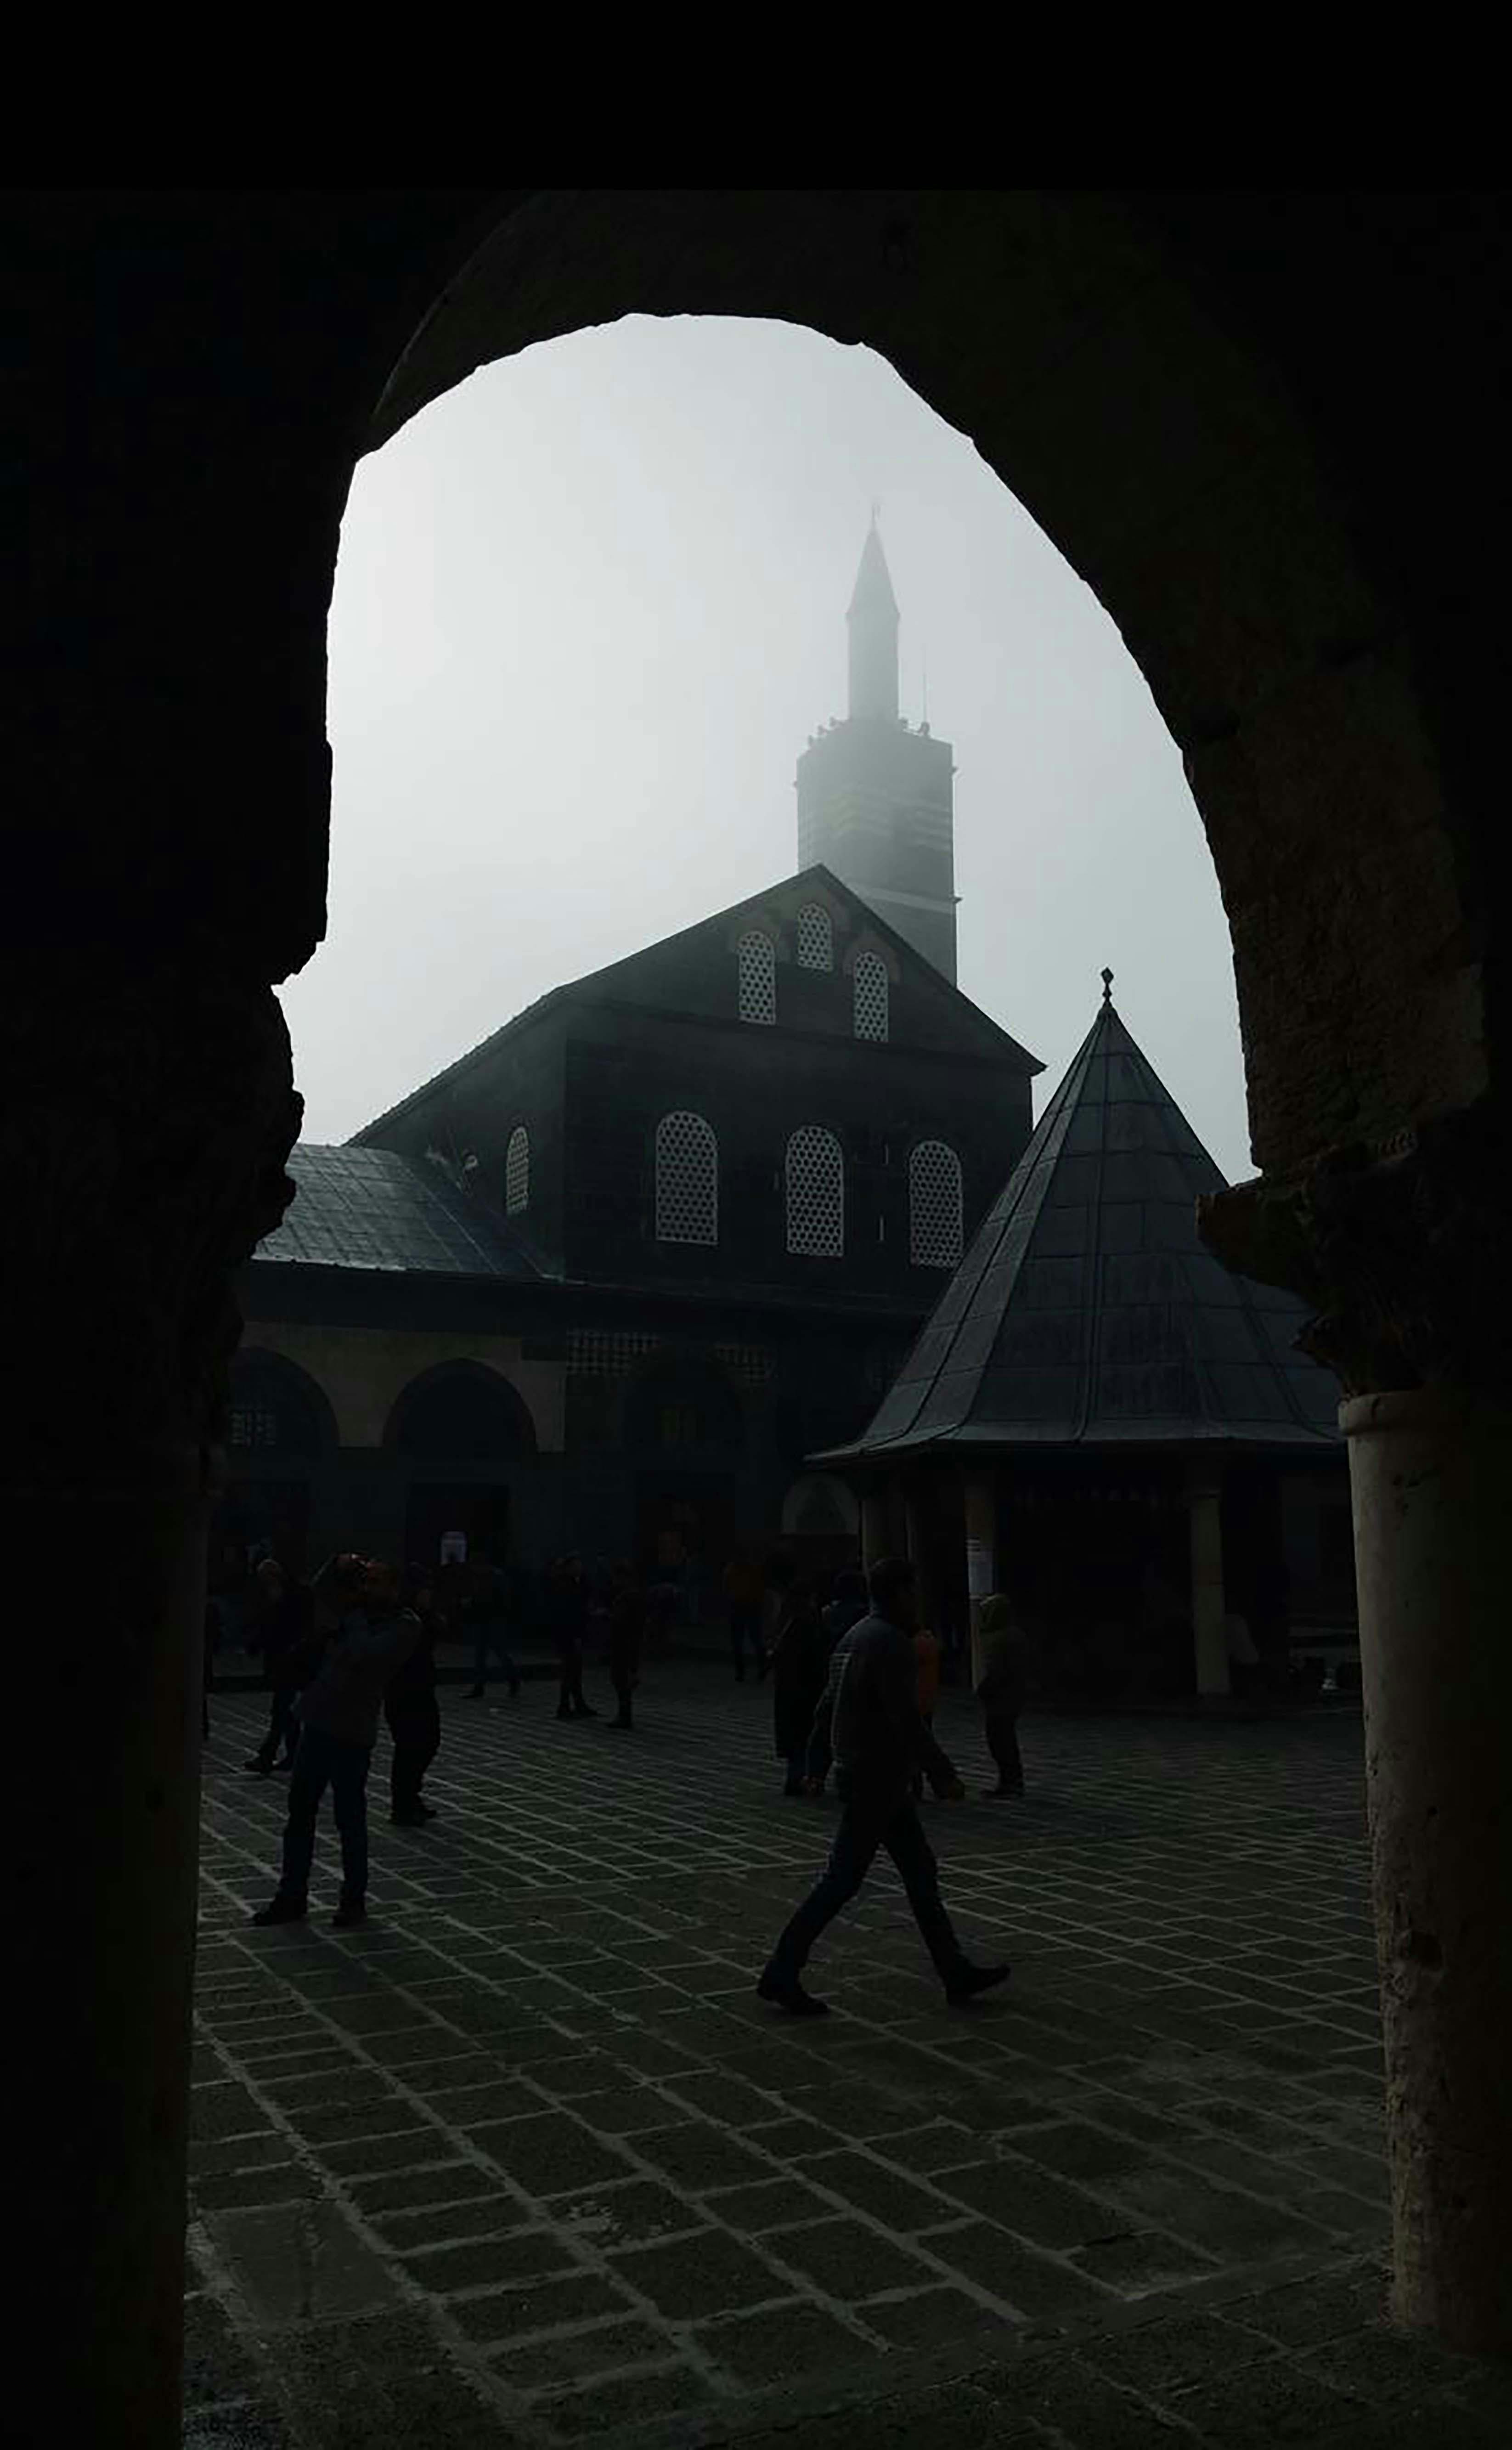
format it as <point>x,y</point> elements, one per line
<point>1263,429</point>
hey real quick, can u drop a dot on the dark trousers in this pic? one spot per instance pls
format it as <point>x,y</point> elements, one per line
<point>1002,1742</point>
<point>796,1772</point>
<point>915,1784</point>
<point>415,1723</point>
<point>284,1728</point>
<point>569,1672</point>
<point>746,1628</point>
<point>491,1637</point>
<point>324,1761</point>
<point>863,1827</point>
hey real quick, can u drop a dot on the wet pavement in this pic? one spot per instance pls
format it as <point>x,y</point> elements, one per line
<point>525,2160</point>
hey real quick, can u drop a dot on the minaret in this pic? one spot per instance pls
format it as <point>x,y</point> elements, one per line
<point>875,797</point>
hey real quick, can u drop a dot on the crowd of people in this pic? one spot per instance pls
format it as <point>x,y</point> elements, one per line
<point>854,1677</point>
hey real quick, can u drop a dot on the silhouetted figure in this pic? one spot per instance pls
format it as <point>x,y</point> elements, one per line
<point>339,1718</point>
<point>927,1654</point>
<point>867,1722</point>
<point>743,1597</point>
<point>626,1632</point>
<point>1001,1691</point>
<point>282,1631</point>
<point>799,1666</point>
<point>412,1711</point>
<point>567,1622</point>
<point>485,1611</point>
<point>661,1614</point>
<point>847,1608</point>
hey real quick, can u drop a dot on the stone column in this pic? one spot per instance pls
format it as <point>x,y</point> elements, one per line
<point>1430,1473</point>
<point>917,1558</point>
<point>144,1135</point>
<point>981,1554</point>
<point>1205,1521</point>
<point>1402,1251</point>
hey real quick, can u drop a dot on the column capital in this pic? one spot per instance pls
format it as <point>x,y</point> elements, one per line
<point>1399,1246</point>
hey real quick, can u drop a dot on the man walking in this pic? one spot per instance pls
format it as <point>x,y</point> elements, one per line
<point>868,1722</point>
<point>338,1717</point>
<point>485,1611</point>
<point>285,1629</point>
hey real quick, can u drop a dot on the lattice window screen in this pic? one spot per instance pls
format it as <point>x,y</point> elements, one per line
<point>869,988</point>
<point>687,1179</point>
<point>756,963</point>
<point>816,1194</point>
<point>517,1172</point>
<point>815,949</point>
<point>934,1206</point>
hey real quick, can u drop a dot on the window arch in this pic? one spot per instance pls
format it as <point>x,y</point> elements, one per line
<point>816,944</point>
<point>869,995</point>
<point>816,1194</point>
<point>756,969</point>
<point>934,1205</point>
<point>687,1179</point>
<point>517,1172</point>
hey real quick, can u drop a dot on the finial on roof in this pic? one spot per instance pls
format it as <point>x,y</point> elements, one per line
<point>875,513</point>
<point>1106,986</point>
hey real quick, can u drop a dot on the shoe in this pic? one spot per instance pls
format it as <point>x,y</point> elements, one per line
<point>971,1979</point>
<point>795,1790</point>
<point>284,1766</point>
<point>790,1995</point>
<point>415,1819</point>
<point>623,1721</point>
<point>475,1693</point>
<point>282,1910</point>
<point>350,1910</point>
<point>563,1710</point>
<point>1001,1794</point>
<point>585,1710</point>
<point>258,1767</point>
<point>515,1688</point>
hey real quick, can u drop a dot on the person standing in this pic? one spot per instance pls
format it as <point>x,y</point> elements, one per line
<point>626,1632</point>
<point>926,1655</point>
<point>799,1666</point>
<point>339,1718</point>
<point>849,1605</point>
<point>743,1598</point>
<point>868,1723</point>
<point>413,1713</point>
<point>1001,1691</point>
<point>485,1609</point>
<point>283,1630</point>
<point>567,1616</point>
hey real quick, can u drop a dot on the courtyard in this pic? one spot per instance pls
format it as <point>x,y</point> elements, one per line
<point>525,2160</point>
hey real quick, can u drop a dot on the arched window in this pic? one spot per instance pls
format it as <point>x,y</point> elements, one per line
<point>869,991</point>
<point>517,1172</point>
<point>816,948</point>
<point>756,964</point>
<point>816,1194</point>
<point>934,1205</point>
<point>687,1179</point>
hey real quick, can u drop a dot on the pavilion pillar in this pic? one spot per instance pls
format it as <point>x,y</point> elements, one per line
<point>914,1520</point>
<point>1430,1472</point>
<point>1205,1526</point>
<point>981,1555</point>
<point>876,1516</point>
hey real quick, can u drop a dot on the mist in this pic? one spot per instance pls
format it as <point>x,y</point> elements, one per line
<point>588,609</point>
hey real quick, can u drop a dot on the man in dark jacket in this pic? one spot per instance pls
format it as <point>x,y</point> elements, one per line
<point>868,1722</point>
<point>284,1635</point>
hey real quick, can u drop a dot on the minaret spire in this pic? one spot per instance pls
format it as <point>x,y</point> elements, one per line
<point>873,623</point>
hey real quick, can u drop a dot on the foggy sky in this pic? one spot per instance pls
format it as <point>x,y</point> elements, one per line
<point>590,606</point>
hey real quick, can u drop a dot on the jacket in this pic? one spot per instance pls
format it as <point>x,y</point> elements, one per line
<point>343,1699</point>
<point>800,1665</point>
<point>868,1721</point>
<point>1000,1686</point>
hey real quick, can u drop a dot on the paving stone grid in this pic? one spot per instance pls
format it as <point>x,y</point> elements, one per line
<point>524,2160</point>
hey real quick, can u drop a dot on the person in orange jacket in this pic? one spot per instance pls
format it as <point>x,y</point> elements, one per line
<point>927,1653</point>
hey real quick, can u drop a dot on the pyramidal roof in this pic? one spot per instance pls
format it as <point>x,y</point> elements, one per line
<point>1087,1313</point>
<point>872,591</point>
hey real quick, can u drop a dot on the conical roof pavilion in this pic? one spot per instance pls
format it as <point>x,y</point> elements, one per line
<point>1087,1314</point>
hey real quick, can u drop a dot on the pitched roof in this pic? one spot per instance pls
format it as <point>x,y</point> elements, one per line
<point>599,982</point>
<point>872,591</point>
<point>366,1207</point>
<point>1087,1313</point>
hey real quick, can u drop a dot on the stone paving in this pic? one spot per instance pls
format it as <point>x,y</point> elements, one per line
<point>525,2160</point>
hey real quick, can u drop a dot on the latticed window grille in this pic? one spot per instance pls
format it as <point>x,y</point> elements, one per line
<point>517,1172</point>
<point>816,1194</point>
<point>756,964</point>
<point>934,1205</point>
<point>869,992</point>
<point>608,1352</point>
<point>687,1179</point>
<point>815,947</point>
